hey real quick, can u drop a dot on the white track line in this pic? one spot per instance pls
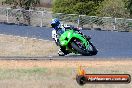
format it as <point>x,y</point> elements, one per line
<point>26,37</point>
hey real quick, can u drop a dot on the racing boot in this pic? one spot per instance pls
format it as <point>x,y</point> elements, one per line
<point>62,52</point>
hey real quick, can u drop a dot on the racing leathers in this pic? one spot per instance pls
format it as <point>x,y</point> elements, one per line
<point>56,33</point>
<point>55,36</point>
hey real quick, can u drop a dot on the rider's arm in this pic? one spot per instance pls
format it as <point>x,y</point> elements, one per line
<point>54,35</point>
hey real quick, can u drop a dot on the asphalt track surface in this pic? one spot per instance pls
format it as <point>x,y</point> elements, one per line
<point>109,44</point>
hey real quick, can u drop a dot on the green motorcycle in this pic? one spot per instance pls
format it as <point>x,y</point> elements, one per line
<point>74,42</point>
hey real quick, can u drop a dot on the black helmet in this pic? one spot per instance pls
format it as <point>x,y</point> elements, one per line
<point>55,23</point>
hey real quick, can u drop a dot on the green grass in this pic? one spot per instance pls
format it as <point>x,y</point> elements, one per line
<point>34,73</point>
<point>21,73</point>
<point>56,72</point>
<point>50,78</point>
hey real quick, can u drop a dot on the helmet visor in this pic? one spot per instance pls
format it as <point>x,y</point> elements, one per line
<point>53,25</point>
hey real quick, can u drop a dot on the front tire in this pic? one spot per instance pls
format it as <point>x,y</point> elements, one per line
<point>76,48</point>
<point>94,50</point>
<point>84,52</point>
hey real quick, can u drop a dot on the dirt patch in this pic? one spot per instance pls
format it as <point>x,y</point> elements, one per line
<point>63,64</point>
<point>20,46</point>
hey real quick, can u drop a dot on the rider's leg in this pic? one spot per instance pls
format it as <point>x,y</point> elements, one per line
<point>87,37</point>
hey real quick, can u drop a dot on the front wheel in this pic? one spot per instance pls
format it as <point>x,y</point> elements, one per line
<point>94,50</point>
<point>83,51</point>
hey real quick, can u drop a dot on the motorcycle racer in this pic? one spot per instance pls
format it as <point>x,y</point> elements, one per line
<point>59,29</point>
